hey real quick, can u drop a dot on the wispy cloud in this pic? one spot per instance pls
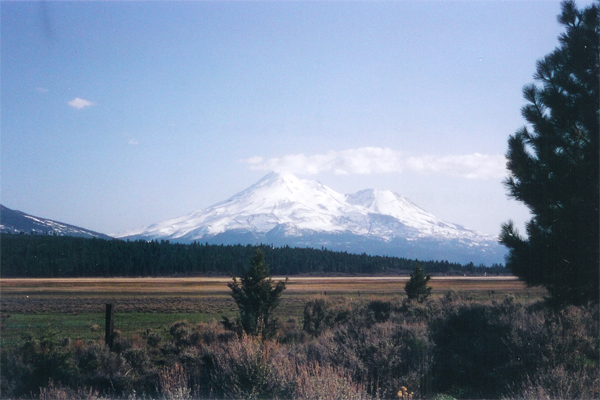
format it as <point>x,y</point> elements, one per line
<point>80,103</point>
<point>132,142</point>
<point>376,160</point>
<point>41,89</point>
<point>471,166</point>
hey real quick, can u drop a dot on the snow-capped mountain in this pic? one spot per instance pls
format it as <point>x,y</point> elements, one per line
<point>13,221</point>
<point>285,210</point>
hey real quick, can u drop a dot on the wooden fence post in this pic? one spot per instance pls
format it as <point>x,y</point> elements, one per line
<point>109,326</point>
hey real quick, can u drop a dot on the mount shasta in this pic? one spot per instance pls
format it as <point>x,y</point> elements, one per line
<point>284,210</point>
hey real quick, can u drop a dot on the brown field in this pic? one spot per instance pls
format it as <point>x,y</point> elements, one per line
<point>209,295</point>
<point>199,286</point>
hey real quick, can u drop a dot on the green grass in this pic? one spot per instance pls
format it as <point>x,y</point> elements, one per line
<point>90,325</point>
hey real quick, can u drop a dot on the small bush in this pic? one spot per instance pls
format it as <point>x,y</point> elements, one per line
<point>139,360</point>
<point>245,368</point>
<point>559,383</point>
<point>315,382</point>
<point>381,358</point>
<point>40,361</point>
<point>472,357</point>
<point>59,392</point>
<point>154,339</point>
<point>182,333</point>
<point>103,369</point>
<point>173,383</point>
<point>380,310</point>
<point>318,316</point>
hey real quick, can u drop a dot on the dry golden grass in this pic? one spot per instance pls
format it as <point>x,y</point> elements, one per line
<point>216,286</point>
<point>208,295</point>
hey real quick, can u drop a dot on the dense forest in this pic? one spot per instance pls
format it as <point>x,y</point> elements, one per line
<point>62,256</point>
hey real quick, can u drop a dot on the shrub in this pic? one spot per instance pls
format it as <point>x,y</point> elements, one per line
<point>182,333</point>
<point>40,361</point>
<point>384,357</point>
<point>59,392</point>
<point>557,353</point>
<point>472,358</point>
<point>320,314</point>
<point>380,310</point>
<point>559,383</point>
<point>316,382</point>
<point>139,360</point>
<point>317,316</point>
<point>154,339</point>
<point>245,368</point>
<point>485,351</point>
<point>103,369</point>
<point>173,383</point>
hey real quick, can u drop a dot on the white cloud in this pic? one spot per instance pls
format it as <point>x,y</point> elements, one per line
<point>254,160</point>
<point>133,142</point>
<point>376,160</point>
<point>471,166</point>
<point>41,90</point>
<point>80,103</point>
<point>366,160</point>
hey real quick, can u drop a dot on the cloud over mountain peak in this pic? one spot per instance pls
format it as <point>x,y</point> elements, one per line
<point>377,160</point>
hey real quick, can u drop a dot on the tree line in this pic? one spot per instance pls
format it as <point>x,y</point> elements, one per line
<point>63,256</point>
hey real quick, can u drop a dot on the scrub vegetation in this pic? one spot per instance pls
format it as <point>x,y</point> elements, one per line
<point>449,346</point>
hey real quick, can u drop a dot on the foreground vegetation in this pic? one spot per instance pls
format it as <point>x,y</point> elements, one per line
<point>338,347</point>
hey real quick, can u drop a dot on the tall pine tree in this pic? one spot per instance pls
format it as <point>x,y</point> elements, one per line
<point>553,163</point>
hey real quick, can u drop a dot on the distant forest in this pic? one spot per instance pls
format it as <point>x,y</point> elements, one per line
<point>64,256</point>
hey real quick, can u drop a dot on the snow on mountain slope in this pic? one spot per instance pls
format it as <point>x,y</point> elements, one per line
<point>13,221</point>
<point>408,213</point>
<point>283,209</point>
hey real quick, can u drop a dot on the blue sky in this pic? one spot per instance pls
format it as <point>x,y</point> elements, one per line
<point>115,115</point>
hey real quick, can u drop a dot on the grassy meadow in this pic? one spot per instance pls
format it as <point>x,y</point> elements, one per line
<point>74,307</point>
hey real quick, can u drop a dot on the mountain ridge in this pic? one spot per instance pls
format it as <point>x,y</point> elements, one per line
<point>14,221</point>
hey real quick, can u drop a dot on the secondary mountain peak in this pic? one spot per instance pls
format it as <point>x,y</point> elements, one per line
<point>389,203</point>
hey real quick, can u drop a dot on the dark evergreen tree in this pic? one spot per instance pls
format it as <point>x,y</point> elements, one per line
<point>553,163</point>
<point>416,288</point>
<point>256,296</point>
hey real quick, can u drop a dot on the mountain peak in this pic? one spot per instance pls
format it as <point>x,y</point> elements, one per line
<point>273,176</point>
